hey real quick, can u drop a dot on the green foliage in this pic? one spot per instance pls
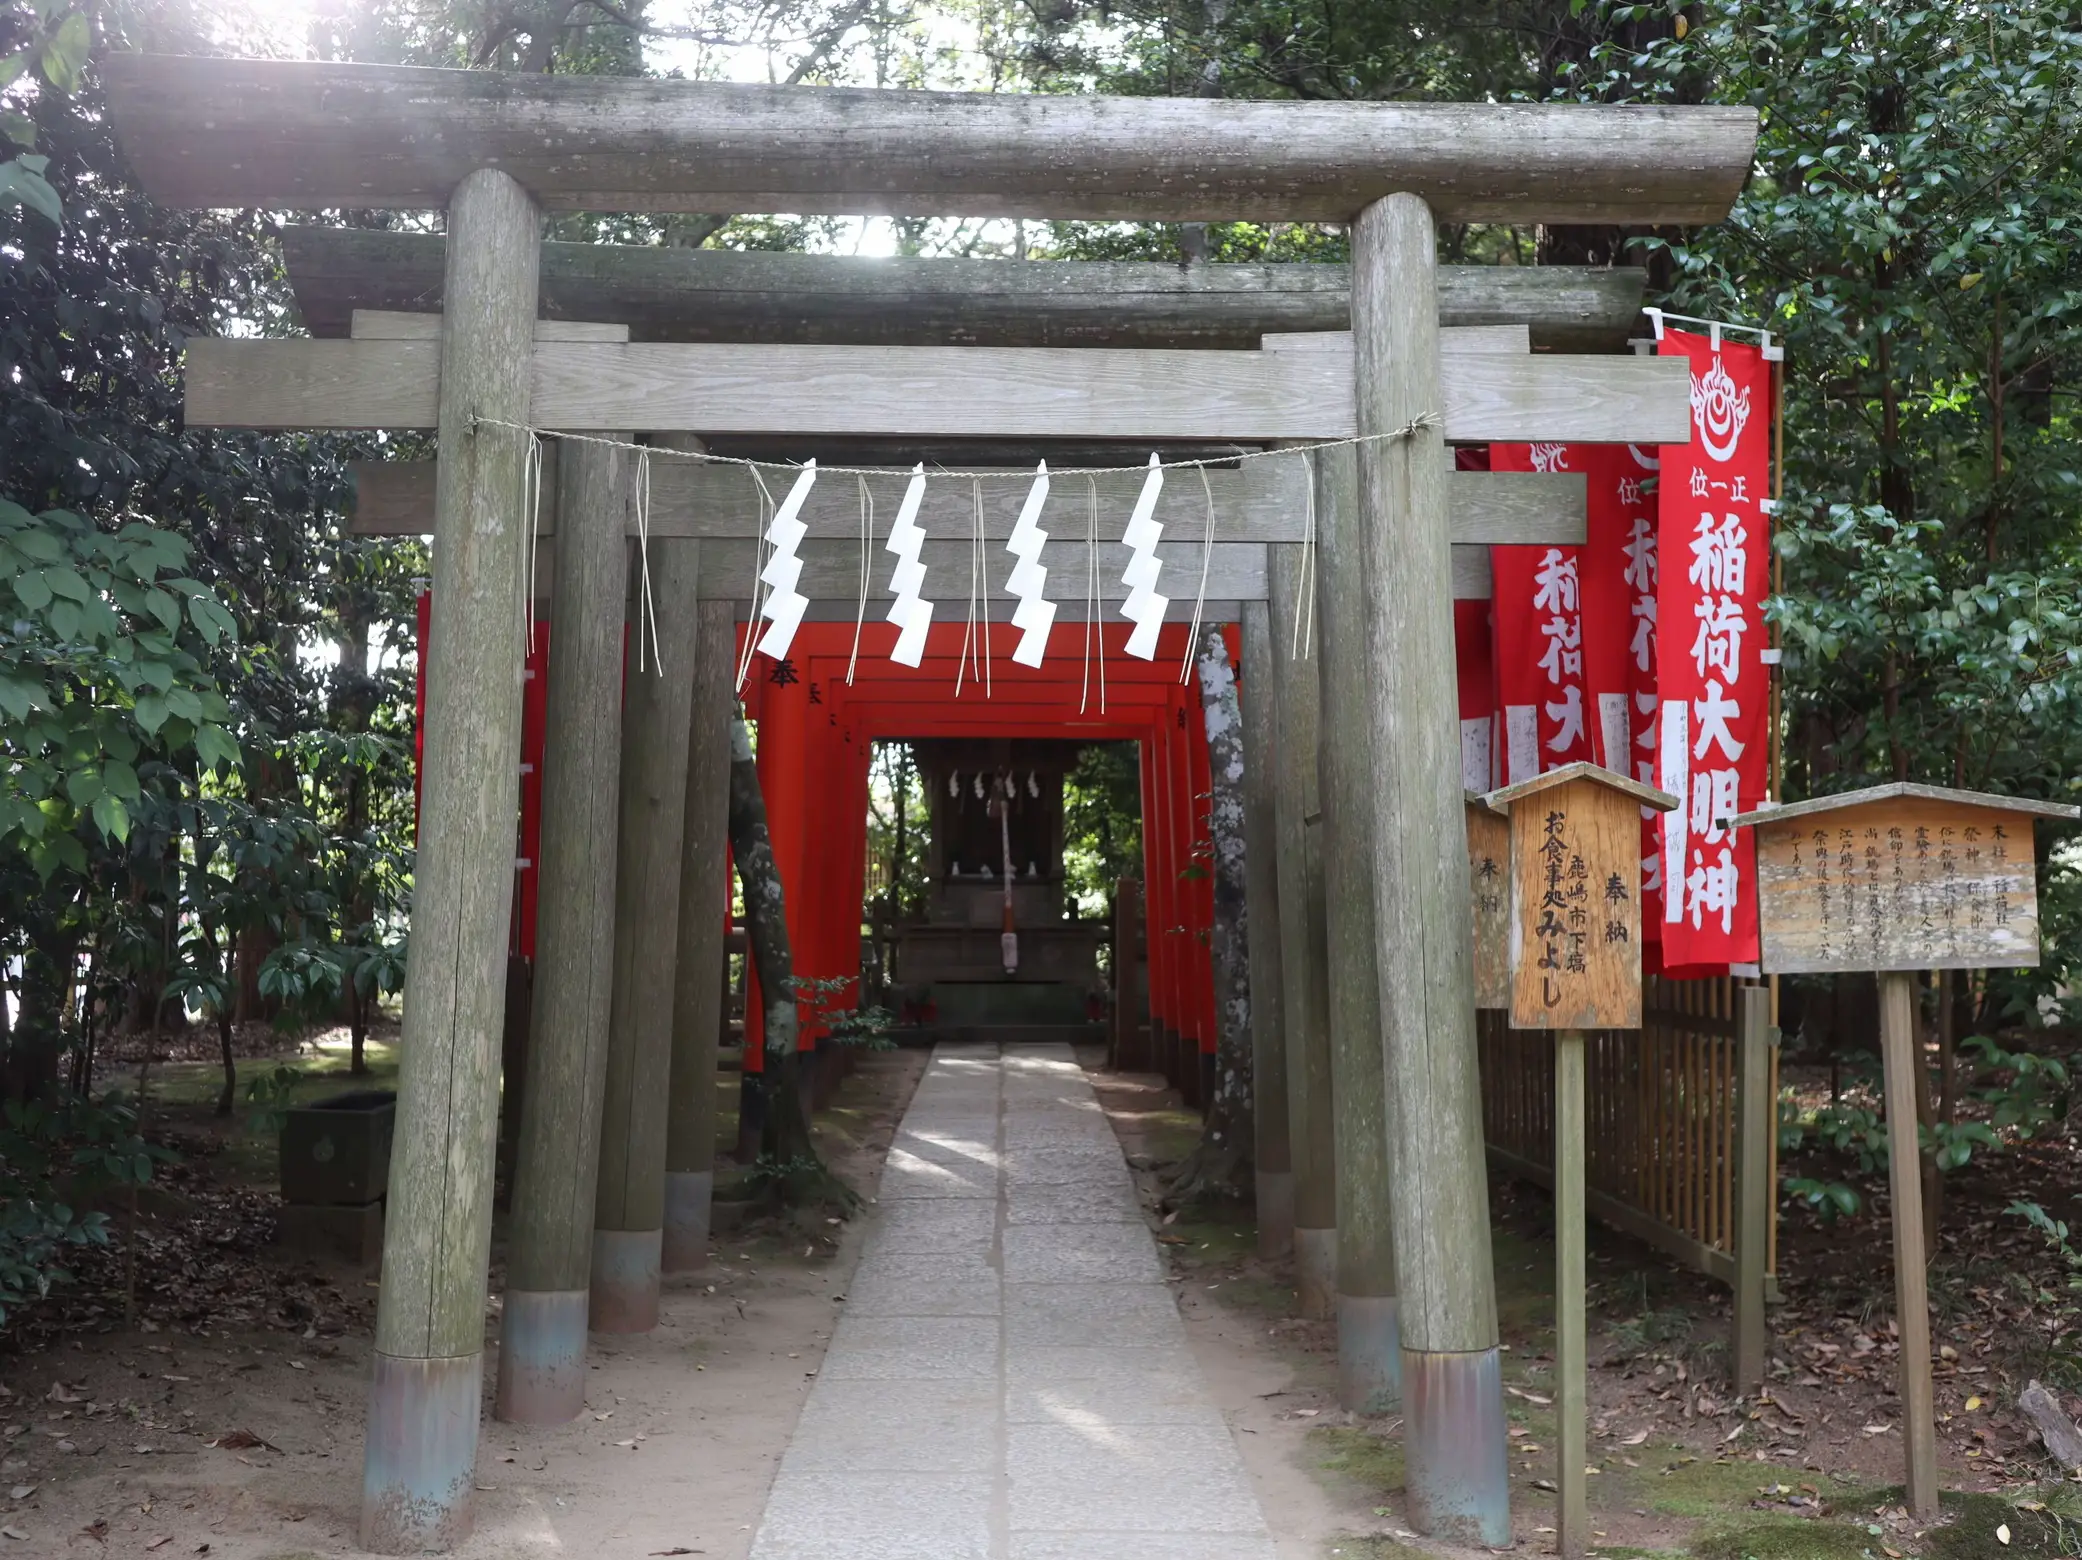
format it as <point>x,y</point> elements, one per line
<point>53,1154</point>
<point>1102,824</point>
<point>269,1097</point>
<point>101,676</point>
<point>1909,234</point>
<point>1833,1200</point>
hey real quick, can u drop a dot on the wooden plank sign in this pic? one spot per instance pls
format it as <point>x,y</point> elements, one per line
<point>1575,920</point>
<point>1489,881</point>
<point>1898,877</point>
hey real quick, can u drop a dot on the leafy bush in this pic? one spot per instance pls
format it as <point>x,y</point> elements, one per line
<point>54,1155</point>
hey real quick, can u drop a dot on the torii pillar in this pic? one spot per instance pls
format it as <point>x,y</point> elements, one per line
<point>1452,1383</point>
<point>420,1463</point>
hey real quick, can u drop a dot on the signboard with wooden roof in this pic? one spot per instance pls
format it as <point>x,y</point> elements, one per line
<point>1899,877</point>
<point>1489,883</point>
<point>1575,924</point>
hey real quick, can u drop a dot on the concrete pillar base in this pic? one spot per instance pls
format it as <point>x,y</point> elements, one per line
<point>624,1297</point>
<point>1315,1273</point>
<point>688,1194</point>
<point>1458,1485</point>
<point>419,1470</point>
<point>1369,1353</point>
<point>542,1357</point>
<point>1275,1214</point>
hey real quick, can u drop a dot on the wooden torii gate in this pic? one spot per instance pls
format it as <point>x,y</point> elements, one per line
<point>497,151</point>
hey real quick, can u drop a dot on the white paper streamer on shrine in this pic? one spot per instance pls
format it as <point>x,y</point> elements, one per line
<point>910,612</point>
<point>1144,607</point>
<point>1034,615</point>
<point>784,605</point>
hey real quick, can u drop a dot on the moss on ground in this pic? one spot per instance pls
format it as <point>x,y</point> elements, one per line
<point>1373,1546</point>
<point>1785,1538</point>
<point>1683,1487</point>
<point>1372,1462</point>
<point>1971,1518</point>
<point>1208,1243</point>
<point>1168,1135</point>
<point>194,1085</point>
<point>1524,1285</point>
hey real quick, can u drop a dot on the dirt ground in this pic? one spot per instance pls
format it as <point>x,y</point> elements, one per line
<point>244,1442</point>
<point>227,1421</point>
<point>1808,1470</point>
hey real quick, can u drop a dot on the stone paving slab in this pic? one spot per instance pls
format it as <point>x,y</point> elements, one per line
<point>1081,1253</point>
<point>1010,1378</point>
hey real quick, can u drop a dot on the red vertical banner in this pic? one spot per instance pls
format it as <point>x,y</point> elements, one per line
<point>1713,736</point>
<point>1474,666</point>
<point>1543,684</point>
<point>1619,629</point>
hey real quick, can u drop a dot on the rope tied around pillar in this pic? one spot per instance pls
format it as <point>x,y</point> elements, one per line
<point>867,541</point>
<point>1305,585</point>
<point>648,616</point>
<point>1185,665</point>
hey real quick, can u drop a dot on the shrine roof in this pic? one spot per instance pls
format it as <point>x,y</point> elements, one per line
<point>1905,790</point>
<point>310,134</point>
<point>1646,795</point>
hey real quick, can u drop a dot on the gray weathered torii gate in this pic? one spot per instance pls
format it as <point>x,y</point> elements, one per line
<point>494,151</point>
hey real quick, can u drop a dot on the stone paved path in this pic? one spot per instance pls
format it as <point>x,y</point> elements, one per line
<point>1010,1380</point>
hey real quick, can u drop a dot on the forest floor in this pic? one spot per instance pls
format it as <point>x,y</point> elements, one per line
<point>225,1421</point>
<point>1810,1469</point>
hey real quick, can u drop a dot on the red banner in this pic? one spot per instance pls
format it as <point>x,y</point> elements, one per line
<point>1713,723</point>
<point>1543,687</point>
<point>1619,616</point>
<point>1474,663</point>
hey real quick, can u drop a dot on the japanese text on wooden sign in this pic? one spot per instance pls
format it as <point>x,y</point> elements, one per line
<point>1576,913</point>
<point>1902,884</point>
<point>1489,880</point>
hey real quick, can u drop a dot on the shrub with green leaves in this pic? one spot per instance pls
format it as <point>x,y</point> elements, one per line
<point>102,639</point>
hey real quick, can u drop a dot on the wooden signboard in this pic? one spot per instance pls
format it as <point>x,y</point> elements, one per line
<point>1575,924</point>
<point>1895,879</point>
<point>1898,877</point>
<point>1489,883</point>
<point>1574,950</point>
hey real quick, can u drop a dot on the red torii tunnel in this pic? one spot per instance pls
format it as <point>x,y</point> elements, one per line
<point>816,737</point>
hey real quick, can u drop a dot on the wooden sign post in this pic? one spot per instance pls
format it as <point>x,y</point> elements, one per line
<point>1489,882</point>
<point>1896,879</point>
<point>1575,964</point>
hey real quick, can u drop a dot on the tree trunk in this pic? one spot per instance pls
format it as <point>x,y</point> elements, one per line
<point>1221,1167</point>
<point>788,1147</point>
<point>32,1059</point>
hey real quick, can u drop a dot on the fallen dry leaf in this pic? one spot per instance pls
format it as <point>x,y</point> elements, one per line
<point>22,1492</point>
<point>242,1440</point>
<point>1635,1439</point>
<point>60,1393</point>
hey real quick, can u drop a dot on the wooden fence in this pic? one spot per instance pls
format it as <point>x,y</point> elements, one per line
<point>1671,1106</point>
